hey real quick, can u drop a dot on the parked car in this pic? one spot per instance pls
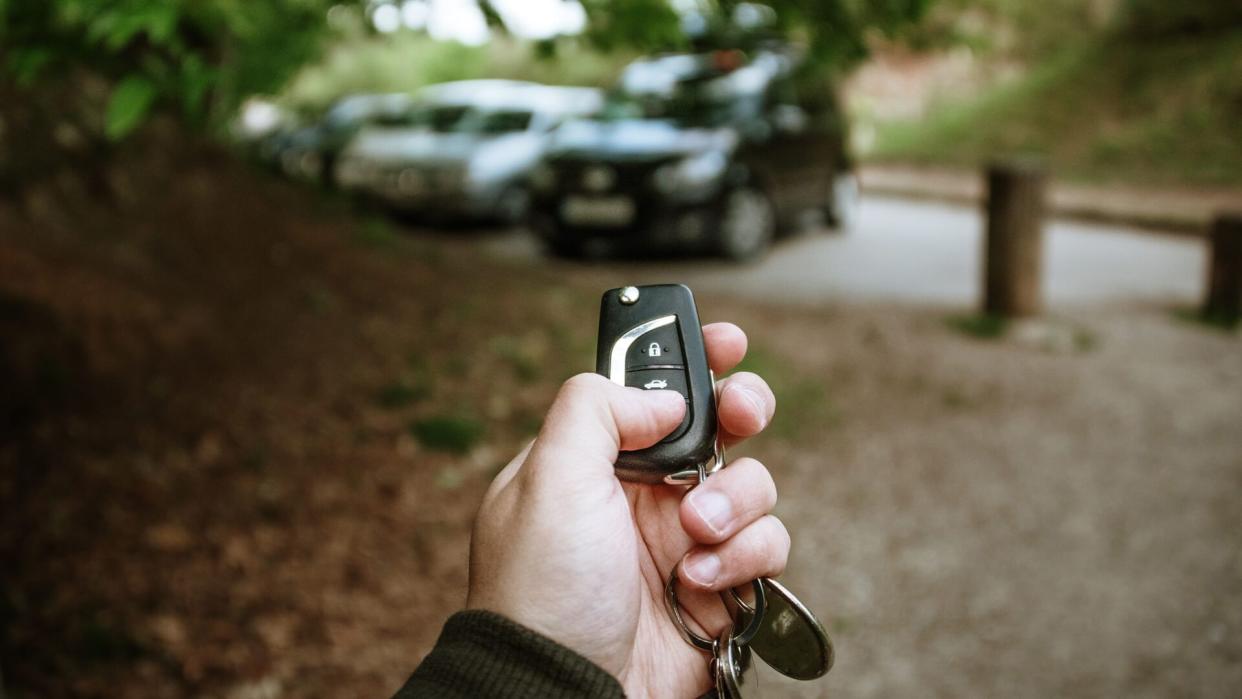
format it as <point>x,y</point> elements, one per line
<point>701,151</point>
<point>257,120</point>
<point>465,149</point>
<point>310,152</point>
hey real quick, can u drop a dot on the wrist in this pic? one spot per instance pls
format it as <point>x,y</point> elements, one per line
<point>484,654</point>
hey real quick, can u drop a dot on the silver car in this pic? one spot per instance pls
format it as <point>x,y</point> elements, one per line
<point>465,150</point>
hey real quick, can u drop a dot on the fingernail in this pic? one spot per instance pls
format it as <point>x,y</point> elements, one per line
<point>702,567</point>
<point>713,508</point>
<point>755,401</point>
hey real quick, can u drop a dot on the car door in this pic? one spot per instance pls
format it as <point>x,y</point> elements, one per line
<point>799,159</point>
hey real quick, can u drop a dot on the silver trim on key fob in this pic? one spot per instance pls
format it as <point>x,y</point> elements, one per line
<point>616,361</point>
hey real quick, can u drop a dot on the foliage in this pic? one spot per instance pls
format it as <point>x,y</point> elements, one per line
<point>835,32</point>
<point>131,100</point>
<point>199,56</point>
<point>1015,29</point>
<point>1154,19</point>
<point>645,25</point>
<point>406,61</point>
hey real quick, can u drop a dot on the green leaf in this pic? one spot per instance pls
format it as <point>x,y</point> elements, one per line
<point>117,27</point>
<point>196,79</point>
<point>27,63</point>
<point>131,100</point>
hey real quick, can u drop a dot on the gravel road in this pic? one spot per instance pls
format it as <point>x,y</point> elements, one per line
<point>927,253</point>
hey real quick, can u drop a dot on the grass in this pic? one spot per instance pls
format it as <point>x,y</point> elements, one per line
<point>1214,321</point>
<point>522,360</point>
<point>1085,340</point>
<point>455,434</point>
<point>376,232</point>
<point>401,393</point>
<point>981,326</point>
<point>1106,110</point>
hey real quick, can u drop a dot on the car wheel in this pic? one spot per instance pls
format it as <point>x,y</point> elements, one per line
<point>842,209</point>
<point>747,225</point>
<point>557,241</point>
<point>567,248</point>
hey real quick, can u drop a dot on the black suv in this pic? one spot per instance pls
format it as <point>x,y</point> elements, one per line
<point>696,151</point>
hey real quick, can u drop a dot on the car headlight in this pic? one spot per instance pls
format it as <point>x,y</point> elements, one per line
<point>543,178</point>
<point>694,173</point>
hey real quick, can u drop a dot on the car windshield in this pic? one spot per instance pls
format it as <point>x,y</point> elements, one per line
<point>705,102</point>
<point>441,118</point>
<point>496,122</point>
<point>349,111</point>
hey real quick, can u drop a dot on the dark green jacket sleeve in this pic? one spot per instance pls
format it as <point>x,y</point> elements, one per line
<point>483,654</point>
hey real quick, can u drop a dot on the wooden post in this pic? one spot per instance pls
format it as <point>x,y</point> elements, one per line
<point>1013,248</point>
<point>1224,287</point>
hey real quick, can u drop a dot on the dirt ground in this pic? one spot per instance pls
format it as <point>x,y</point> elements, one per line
<point>245,433</point>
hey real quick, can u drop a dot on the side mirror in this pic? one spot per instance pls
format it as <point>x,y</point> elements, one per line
<point>788,119</point>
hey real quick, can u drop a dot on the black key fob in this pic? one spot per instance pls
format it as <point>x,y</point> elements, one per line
<point>650,338</point>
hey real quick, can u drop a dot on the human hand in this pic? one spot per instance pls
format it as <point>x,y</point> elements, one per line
<point>563,547</point>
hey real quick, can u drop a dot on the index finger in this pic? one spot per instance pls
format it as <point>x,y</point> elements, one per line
<point>726,345</point>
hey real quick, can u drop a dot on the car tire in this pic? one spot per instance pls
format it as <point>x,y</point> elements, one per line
<point>841,212</point>
<point>747,224</point>
<point>556,240</point>
<point>567,248</point>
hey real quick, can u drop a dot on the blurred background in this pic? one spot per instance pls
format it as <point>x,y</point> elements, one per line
<point>283,284</point>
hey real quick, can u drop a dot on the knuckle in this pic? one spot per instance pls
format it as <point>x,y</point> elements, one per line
<point>769,491</point>
<point>584,389</point>
<point>749,379</point>
<point>778,543</point>
<point>764,552</point>
<point>756,488</point>
<point>582,382</point>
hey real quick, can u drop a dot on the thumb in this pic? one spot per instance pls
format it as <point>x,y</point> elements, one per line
<point>592,419</point>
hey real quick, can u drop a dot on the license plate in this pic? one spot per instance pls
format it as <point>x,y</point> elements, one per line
<point>598,211</point>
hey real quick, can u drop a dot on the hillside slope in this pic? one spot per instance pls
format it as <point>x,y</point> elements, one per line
<point>1117,109</point>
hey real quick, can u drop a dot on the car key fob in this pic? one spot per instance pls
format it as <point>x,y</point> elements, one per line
<point>650,338</point>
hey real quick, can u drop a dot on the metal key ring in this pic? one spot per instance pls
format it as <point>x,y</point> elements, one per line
<point>703,643</point>
<point>741,602</point>
<point>756,612</point>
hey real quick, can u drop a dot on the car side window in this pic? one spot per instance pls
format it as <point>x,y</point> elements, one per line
<point>505,122</point>
<point>784,111</point>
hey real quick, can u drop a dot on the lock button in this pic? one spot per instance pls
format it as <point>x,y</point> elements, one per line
<point>660,347</point>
